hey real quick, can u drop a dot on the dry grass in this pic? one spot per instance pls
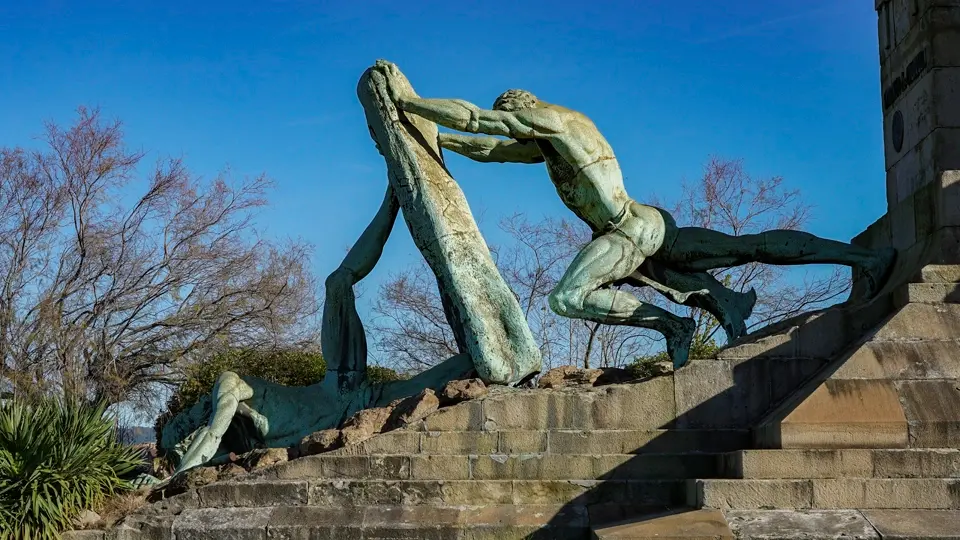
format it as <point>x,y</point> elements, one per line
<point>117,507</point>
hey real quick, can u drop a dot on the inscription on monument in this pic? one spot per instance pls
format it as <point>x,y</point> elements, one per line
<point>907,77</point>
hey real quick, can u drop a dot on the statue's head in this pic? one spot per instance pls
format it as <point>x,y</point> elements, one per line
<point>515,100</point>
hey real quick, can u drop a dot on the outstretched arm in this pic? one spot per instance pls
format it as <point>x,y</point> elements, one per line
<point>465,116</point>
<point>490,149</point>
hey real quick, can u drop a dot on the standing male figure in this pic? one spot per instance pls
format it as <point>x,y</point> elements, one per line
<point>587,176</point>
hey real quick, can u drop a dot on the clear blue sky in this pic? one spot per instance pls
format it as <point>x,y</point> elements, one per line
<point>790,87</point>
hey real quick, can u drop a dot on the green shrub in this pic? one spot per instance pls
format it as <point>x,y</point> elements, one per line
<point>57,458</point>
<point>646,366</point>
<point>380,374</point>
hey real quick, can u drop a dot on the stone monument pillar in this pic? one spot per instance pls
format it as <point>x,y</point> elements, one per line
<point>920,85</point>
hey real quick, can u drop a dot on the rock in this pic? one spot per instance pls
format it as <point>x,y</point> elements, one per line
<point>463,390</point>
<point>364,424</point>
<point>320,441</point>
<point>183,482</point>
<point>87,519</point>
<point>230,470</point>
<point>198,477</point>
<point>614,376</point>
<point>270,456</point>
<point>413,408</point>
<point>565,376</point>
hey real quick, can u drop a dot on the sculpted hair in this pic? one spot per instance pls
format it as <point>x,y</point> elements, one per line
<point>515,100</point>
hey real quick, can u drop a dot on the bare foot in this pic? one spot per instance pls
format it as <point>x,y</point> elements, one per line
<point>678,342</point>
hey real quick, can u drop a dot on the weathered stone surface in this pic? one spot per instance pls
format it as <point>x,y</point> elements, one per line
<point>915,524</point>
<point>646,405</point>
<point>920,493</point>
<point>222,523</point>
<point>253,493</point>
<point>690,525</point>
<point>83,535</point>
<point>772,464</point>
<point>565,376</point>
<point>462,390</point>
<point>413,409</point>
<point>751,494</point>
<point>903,360</point>
<point>920,463</point>
<point>797,525</point>
<point>523,442</point>
<point>364,424</point>
<point>467,416</point>
<point>847,413</point>
<point>922,321</point>
<point>440,467</point>
<point>490,522</point>
<point>459,442</point>
<point>933,412</point>
<point>320,441</point>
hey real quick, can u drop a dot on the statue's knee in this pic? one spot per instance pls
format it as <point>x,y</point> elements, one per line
<point>338,280</point>
<point>564,302</point>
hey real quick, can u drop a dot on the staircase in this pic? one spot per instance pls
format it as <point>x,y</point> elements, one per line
<point>840,424</point>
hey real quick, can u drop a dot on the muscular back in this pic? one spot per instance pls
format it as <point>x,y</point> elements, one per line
<point>583,168</point>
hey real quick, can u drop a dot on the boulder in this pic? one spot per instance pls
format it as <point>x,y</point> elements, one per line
<point>565,376</point>
<point>319,442</point>
<point>413,408</point>
<point>463,390</point>
<point>263,458</point>
<point>364,424</point>
<point>230,470</point>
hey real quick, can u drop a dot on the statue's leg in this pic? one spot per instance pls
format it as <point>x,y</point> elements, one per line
<point>583,293</point>
<point>228,392</point>
<point>701,290</point>
<point>342,337</point>
<point>697,249</point>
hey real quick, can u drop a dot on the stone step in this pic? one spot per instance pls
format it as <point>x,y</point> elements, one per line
<point>554,441</point>
<point>501,467</point>
<point>683,524</point>
<point>550,521</point>
<point>649,493</point>
<point>928,293</point>
<point>827,493</point>
<point>506,522</point>
<point>877,463</point>
<point>852,524</point>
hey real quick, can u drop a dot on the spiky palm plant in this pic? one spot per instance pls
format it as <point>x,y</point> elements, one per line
<point>57,458</point>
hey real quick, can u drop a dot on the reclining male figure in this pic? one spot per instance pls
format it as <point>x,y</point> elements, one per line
<point>587,176</point>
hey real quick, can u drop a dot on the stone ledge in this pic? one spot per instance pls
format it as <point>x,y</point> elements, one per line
<point>682,525</point>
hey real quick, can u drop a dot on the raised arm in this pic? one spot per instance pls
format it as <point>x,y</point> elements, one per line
<point>490,149</point>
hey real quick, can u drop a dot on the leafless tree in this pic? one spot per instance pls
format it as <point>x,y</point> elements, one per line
<point>103,293</point>
<point>728,199</point>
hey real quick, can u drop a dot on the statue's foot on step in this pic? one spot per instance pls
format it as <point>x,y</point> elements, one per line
<point>737,308</point>
<point>874,276</point>
<point>678,342</point>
